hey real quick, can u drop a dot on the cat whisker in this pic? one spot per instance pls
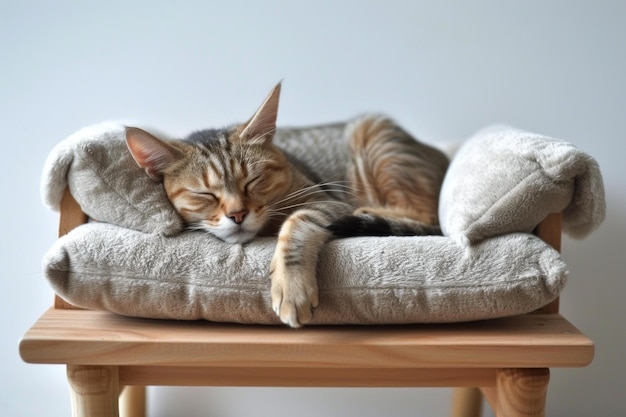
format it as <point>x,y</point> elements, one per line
<point>329,184</point>
<point>310,191</point>
<point>344,191</point>
<point>330,180</point>
<point>299,193</point>
<point>309,203</point>
<point>343,187</point>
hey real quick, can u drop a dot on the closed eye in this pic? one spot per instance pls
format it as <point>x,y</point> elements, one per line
<point>204,194</point>
<point>251,184</point>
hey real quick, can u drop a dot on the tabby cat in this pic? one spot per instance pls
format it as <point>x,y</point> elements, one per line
<point>242,181</point>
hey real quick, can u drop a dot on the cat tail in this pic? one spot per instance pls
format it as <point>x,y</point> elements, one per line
<point>363,224</point>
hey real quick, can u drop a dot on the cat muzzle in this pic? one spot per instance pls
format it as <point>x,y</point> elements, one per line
<point>238,217</point>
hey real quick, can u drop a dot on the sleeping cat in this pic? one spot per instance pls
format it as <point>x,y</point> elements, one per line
<point>243,181</point>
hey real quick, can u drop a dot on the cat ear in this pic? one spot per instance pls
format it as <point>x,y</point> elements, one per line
<point>261,127</point>
<point>149,152</point>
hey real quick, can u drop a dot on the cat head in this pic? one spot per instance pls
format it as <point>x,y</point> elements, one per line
<point>225,181</point>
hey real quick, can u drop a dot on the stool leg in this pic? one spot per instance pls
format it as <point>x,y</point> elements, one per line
<point>133,401</point>
<point>522,392</point>
<point>467,402</point>
<point>94,390</point>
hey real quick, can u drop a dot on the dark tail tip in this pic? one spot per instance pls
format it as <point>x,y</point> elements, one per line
<point>368,225</point>
<point>352,226</point>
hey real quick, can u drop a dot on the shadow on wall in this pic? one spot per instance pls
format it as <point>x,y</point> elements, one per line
<point>597,265</point>
<point>594,301</point>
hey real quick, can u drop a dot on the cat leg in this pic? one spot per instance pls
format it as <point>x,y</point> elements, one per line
<point>393,174</point>
<point>294,265</point>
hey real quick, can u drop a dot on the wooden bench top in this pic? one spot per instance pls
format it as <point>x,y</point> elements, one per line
<point>527,341</point>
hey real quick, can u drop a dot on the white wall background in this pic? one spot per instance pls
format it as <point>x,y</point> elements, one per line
<point>443,69</point>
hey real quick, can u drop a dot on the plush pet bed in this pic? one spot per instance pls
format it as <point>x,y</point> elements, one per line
<point>137,260</point>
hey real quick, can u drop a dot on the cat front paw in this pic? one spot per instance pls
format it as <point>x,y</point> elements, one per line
<point>294,295</point>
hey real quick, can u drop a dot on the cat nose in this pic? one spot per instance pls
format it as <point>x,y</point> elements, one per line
<point>237,216</point>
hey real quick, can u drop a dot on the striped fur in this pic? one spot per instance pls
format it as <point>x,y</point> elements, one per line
<point>363,178</point>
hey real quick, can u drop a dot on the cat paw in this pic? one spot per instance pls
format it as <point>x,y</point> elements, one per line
<point>294,296</point>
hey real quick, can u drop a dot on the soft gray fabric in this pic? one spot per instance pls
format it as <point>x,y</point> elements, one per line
<point>504,180</point>
<point>362,281</point>
<point>107,183</point>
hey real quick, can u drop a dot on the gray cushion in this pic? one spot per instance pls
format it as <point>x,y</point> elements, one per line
<point>362,281</point>
<point>107,183</point>
<point>504,180</point>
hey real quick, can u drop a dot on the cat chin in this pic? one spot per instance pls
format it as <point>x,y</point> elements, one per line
<point>239,236</point>
<point>229,232</point>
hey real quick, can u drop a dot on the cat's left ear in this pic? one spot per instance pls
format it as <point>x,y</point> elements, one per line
<point>150,153</point>
<point>261,127</point>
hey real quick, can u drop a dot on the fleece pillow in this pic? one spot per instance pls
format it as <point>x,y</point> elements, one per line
<point>505,180</point>
<point>362,280</point>
<point>107,183</point>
